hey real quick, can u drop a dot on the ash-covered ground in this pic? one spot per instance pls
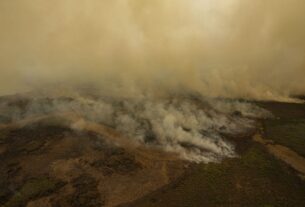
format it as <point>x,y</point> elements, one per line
<point>85,150</point>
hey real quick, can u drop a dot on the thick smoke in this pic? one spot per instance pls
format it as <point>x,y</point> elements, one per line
<point>161,70</point>
<point>192,127</point>
<point>229,48</point>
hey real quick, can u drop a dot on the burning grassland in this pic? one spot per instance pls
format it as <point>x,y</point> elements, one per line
<point>195,128</point>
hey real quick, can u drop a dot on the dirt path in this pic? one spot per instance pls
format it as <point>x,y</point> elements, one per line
<point>283,153</point>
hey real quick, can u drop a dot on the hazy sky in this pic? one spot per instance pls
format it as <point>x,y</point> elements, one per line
<point>235,48</point>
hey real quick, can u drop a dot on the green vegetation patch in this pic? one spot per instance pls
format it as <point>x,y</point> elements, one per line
<point>290,133</point>
<point>255,179</point>
<point>33,189</point>
<point>284,110</point>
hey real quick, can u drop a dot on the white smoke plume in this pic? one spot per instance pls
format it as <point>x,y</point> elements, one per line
<point>194,128</point>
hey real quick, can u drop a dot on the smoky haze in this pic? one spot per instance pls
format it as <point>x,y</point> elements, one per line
<point>161,73</point>
<point>233,48</point>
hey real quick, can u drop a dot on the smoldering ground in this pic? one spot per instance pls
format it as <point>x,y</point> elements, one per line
<point>192,127</point>
<point>134,49</point>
